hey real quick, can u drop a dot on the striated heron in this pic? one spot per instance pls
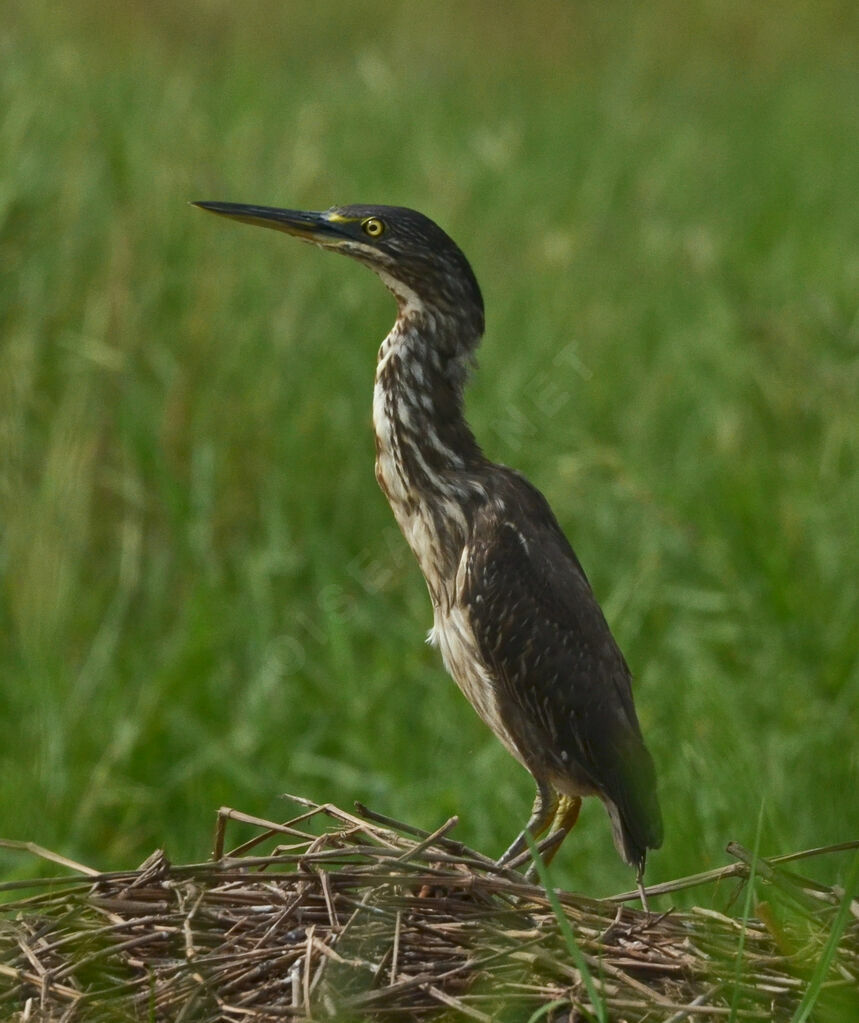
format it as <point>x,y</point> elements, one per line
<point>515,618</point>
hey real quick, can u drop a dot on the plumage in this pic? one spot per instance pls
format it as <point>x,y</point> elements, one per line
<point>515,618</point>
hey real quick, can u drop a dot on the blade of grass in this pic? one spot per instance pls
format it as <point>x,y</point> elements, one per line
<point>546,1009</point>
<point>815,985</point>
<point>747,910</point>
<point>567,931</point>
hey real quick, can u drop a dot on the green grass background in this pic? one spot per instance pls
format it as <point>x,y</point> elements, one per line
<point>205,599</point>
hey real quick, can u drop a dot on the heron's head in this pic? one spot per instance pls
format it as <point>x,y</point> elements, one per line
<point>424,269</point>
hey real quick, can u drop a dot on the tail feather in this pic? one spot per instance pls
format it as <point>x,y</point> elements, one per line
<point>633,808</point>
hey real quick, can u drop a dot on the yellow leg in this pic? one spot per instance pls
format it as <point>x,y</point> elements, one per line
<point>543,813</point>
<point>563,822</point>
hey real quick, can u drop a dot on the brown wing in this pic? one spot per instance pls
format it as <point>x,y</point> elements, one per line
<point>564,687</point>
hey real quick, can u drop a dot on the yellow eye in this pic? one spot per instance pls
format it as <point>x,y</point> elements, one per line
<point>373,227</point>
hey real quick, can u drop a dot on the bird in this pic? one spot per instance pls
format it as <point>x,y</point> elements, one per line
<point>514,616</point>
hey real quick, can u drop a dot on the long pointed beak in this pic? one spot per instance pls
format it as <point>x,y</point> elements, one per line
<point>312,227</point>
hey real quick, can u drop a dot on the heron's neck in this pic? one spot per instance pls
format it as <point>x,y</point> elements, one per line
<point>426,456</point>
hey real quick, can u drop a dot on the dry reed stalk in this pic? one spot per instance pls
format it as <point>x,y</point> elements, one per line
<point>374,918</point>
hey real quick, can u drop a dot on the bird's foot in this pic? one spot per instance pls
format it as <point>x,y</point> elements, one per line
<point>546,849</point>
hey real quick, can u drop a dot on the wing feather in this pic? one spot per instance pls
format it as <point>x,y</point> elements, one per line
<point>564,688</point>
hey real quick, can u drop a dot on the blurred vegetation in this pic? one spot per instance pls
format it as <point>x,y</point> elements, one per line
<point>205,599</point>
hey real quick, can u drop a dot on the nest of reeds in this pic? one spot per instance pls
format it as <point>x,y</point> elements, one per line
<point>373,919</point>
